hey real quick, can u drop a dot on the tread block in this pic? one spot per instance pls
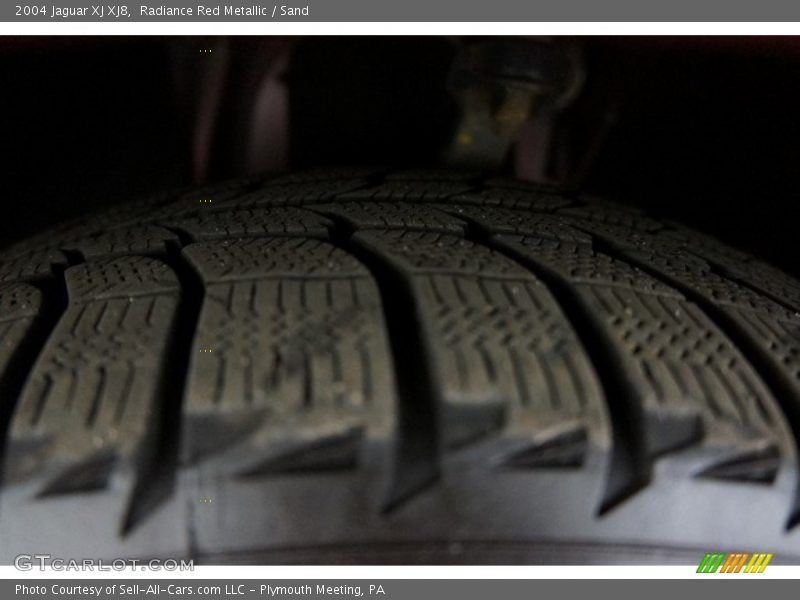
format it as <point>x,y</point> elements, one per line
<point>693,383</point>
<point>294,194</point>
<point>772,330</point>
<point>511,198</point>
<point>392,215</point>
<point>771,326</point>
<point>99,368</point>
<point>249,222</point>
<point>411,191</point>
<point>138,240</point>
<point>433,252</point>
<point>291,354</point>
<point>130,216</point>
<point>761,277</point>
<point>37,264</point>
<point>612,214</point>
<point>497,220</point>
<point>20,308</point>
<point>95,242</point>
<point>125,278</point>
<point>87,415</point>
<point>689,268</point>
<point>506,359</point>
<point>736,265</point>
<point>18,302</point>
<point>277,335</point>
<point>235,260</point>
<point>579,264</point>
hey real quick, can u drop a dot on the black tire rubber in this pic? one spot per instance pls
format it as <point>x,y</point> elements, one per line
<point>350,366</point>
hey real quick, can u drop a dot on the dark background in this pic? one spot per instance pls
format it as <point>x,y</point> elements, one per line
<point>706,131</point>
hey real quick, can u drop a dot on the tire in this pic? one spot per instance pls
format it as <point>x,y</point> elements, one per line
<point>348,366</point>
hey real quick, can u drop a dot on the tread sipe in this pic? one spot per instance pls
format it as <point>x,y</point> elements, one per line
<point>350,366</point>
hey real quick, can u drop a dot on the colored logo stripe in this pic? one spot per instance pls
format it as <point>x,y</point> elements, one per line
<point>733,563</point>
<point>710,563</point>
<point>758,563</point>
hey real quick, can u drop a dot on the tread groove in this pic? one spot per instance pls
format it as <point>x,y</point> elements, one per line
<point>630,468</point>
<point>157,480</point>
<point>416,463</point>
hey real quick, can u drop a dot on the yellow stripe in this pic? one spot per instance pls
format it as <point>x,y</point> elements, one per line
<point>728,561</point>
<point>750,564</point>
<point>765,563</point>
<point>741,562</point>
<point>758,563</point>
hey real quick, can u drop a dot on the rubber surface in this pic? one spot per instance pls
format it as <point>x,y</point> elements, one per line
<point>405,366</point>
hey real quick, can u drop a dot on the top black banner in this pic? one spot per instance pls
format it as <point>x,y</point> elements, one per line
<point>409,11</point>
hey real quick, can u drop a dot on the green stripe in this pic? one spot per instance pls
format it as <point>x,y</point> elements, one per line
<point>720,559</point>
<point>711,562</point>
<point>700,569</point>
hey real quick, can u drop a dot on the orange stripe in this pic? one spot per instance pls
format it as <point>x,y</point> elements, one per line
<point>731,562</point>
<point>728,561</point>
<point>741,562</point>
